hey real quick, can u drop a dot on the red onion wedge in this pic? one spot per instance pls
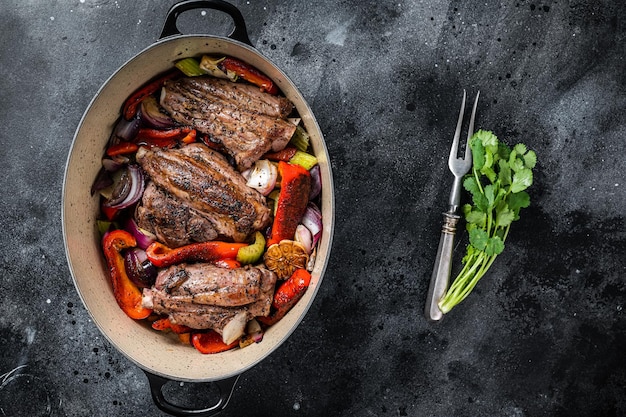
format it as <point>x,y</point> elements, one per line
<point>143,237</point>
<point>312,219</point>
<point>303,235</point>
<point>102,181</point>
<point>152,115</point>
<point>138,268</point>
<point>316,182</point>
<point>126,129</point>
<point>129,189</point>
<point>113,164</point>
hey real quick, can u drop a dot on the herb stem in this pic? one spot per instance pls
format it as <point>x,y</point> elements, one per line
<point>477,177</point>
<point>462,285</point>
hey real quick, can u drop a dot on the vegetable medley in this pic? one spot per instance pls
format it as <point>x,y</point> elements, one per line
<point>288,179</point>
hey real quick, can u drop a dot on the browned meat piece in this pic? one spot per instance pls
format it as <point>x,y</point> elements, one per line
<point>204,296</point>
<point>239,121</point>
<point>245,97</point>
<point>172,222</point>
<point>201,179</point>
<point>203,283</point>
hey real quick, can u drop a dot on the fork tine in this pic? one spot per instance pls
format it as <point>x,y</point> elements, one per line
<point>470,131</point>
<point>454,150</point>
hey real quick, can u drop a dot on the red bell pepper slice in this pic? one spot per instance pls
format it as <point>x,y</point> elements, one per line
<point>210,342</point>
<point>127,295</point>
<point>122,148</point>
<point>287,295</point>
<point>161,256</point>
<point>249,73</point>
<point>295,186</point>
<point>129,110</point>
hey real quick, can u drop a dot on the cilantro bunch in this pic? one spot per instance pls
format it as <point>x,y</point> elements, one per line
<point>496,183</point>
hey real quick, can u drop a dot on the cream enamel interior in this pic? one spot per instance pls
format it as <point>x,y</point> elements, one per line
<point>152,351</point>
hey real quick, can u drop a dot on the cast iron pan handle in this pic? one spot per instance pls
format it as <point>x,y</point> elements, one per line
<point>225,386</point>
<point>239,33</point>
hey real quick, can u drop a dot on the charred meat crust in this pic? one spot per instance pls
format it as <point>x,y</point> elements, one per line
<point>202,180</point>
<point>204,296</point>
<point>170,220</point>
<point>237,116</point>
<point>246,97</point>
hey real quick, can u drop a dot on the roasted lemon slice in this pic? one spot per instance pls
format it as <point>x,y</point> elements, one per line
<point>285,257</point>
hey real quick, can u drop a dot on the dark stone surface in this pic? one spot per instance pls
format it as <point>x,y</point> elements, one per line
<point>542,335</point>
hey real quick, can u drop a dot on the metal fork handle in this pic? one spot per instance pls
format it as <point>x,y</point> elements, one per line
<point>455,194</point>
<point>443,265</point>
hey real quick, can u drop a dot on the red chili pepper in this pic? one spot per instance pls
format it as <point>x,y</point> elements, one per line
<point>283,155</point>
<point>295,185</point>
<point>127,295</point>
<point>132,103</point>
<point>210,342</point>
<point>122,148</point>
<point>287,295</point>
<point>161,256</point>
<point>165,324</point>
<point>250,74</point>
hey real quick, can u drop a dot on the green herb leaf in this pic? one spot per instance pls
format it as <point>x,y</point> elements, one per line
<point>494,246</point>
<point>504,175</point>
<point>478,153</point>
<point>488,160</point>
<point>490,195</point>
<point>487,138</point>
<point>470,184</point>
<point>530,159</point>
<point>522,179</point>
<point>489,173</point>
<point>520,148</point>
<point>478,218</point>
<point>516,164</point>
<point>500,195</point>
<point>504,151</point>
<point>480,202</point>
<point>518,201</point>
<point>478,238</point>
<point>504,216</point>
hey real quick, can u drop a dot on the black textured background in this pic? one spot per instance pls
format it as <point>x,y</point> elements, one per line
<point>542,335</point>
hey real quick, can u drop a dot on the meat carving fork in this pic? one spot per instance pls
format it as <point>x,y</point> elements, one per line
<point>443,262</point>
